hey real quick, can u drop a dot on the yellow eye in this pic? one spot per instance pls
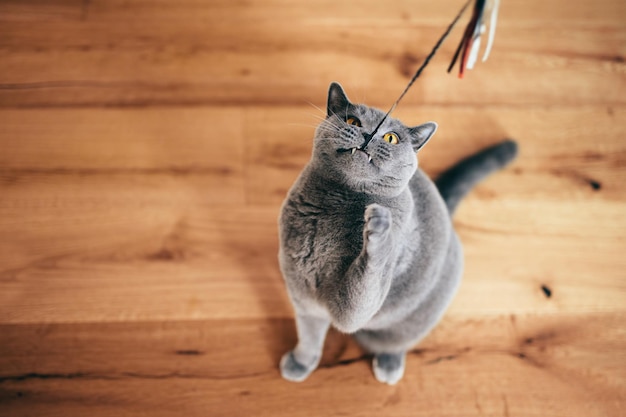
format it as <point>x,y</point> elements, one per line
<point>391,138</point>
<point>353,121</point>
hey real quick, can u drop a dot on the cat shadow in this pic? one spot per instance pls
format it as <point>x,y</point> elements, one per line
<point>257,259</point>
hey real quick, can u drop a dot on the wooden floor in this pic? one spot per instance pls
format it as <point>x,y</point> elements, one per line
<point>145,148</point>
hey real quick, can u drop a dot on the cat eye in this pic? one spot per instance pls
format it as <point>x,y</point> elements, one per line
<point>391,138</point>
<point>351,120</point>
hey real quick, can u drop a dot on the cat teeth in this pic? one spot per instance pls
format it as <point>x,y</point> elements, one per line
<point>353,150</point>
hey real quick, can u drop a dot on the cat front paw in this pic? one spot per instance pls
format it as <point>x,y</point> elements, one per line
<point>294,371</point>
<point>377,221</point>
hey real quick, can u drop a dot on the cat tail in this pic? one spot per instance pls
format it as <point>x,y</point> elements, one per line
<point>457,181</point>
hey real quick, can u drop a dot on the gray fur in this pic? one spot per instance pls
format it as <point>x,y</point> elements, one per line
<point>367,246</point>
<point>455,183</point>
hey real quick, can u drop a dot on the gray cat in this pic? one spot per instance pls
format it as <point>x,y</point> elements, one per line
<point>366,240</point>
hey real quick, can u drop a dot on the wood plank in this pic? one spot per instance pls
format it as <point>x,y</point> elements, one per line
<point>529,365</point>
<point>109,60</point>
<point>529,13</point>
<point>185,151</point>
<point>532,12</point>
<point>108,139</point>
<point>139,264</point>
<point>41,10</point>
<point>550,247</point>
<point>556,153</point>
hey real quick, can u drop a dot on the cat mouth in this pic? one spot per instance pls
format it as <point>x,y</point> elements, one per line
<point>354,150</point>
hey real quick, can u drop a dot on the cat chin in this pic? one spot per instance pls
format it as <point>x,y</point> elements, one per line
<point>364,177</point>
<point>362,163</point>
<point>368,187</point>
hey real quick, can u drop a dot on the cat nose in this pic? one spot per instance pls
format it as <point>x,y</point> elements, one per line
<point>368,138</point>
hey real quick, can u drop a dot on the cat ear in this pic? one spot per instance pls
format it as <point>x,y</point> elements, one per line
<point>421,134</point>
<point>337,100</point>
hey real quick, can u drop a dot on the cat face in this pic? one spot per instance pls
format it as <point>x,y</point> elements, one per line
<point>381,164</point>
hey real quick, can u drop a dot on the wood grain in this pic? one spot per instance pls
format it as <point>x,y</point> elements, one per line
<point>520,366</point>
<point>289,53</point>
<point>146,146</point>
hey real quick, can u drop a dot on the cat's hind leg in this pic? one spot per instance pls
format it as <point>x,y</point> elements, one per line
<point>389,347</point>
<point>298,364</point>
<point>389,367</point>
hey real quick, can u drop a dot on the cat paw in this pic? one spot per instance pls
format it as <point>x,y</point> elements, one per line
<point>377,220</point>
<point>389,367</point>
<point>292,370</point>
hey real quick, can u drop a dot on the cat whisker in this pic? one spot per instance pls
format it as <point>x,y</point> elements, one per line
<point>330,129</point>
<point>302,125</point>
<point>318,117</point>
<point>330,125</point>
<point>316,107</point>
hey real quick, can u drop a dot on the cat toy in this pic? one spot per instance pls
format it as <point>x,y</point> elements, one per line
<point>468,47</point>
<point>470,43</point>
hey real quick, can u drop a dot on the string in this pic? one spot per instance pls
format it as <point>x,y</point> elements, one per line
<point>418,72</point>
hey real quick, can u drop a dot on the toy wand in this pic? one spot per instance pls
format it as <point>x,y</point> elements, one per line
<point>470,43</point>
